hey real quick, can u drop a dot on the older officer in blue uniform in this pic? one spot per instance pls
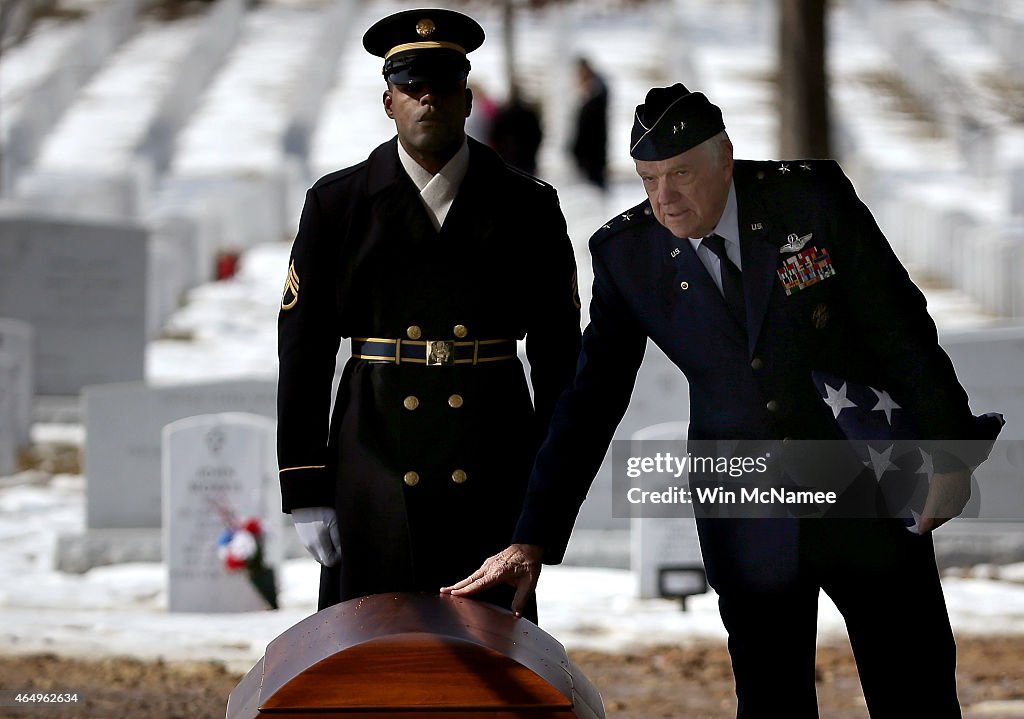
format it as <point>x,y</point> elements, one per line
<point>753,277</point>
<point>434,257</point>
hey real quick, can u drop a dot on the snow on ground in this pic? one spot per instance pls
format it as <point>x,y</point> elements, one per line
<point>121,609</point>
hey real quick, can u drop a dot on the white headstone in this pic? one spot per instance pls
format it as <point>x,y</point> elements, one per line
<point>123,424</point>
<point>657,542</point>
<point>8,424</point>
<point>82,286</point>
<point>16,339</point>
<point>218,472</point>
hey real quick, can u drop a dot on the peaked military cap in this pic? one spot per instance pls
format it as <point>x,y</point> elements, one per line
<point>671,121</point>
<point>424,45</point>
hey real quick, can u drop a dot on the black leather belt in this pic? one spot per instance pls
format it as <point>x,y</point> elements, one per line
<point>433,353</point>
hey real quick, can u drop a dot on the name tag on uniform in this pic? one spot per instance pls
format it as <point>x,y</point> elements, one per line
<point>806,268</point>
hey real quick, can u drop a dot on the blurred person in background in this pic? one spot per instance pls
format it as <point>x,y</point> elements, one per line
<point>589,146</point>
<point>516,132</point>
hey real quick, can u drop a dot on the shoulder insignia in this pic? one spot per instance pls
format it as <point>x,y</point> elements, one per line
<point>290,297</point>
<point>634,216</point>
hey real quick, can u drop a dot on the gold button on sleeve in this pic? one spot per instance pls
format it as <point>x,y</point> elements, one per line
<point>459,476</point>
<point>460,331</point>
<point>414,332</point>
<point>455,401</point>
<point>411,479</point>
<point>411,402</point>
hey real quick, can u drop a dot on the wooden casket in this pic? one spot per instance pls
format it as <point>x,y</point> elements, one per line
<point>415,656</point>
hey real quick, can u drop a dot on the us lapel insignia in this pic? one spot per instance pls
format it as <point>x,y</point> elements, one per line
<point>795,243</point>
<point>756,226</point>
<point>290,298</point>
<point>674,253</point>
<point>807,268</point>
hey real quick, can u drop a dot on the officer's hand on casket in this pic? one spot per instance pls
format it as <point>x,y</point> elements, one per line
<point>518,565</point>
<point>948,494</point>
<point>317,528</point>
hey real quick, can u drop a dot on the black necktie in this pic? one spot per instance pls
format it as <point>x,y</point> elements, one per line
<point>732,279</point>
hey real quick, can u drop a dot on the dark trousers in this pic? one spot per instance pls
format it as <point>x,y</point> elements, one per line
<point>883,579</point>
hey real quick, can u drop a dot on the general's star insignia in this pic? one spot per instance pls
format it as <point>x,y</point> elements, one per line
<point>628,216</point>
<point>783,167</point>
<point>805,166</point>
<point>678,128</point>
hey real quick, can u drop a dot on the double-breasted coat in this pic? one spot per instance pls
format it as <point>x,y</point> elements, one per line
<point>426,466</point>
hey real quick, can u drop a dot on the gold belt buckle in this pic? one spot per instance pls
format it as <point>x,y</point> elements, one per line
<point>440,353</point>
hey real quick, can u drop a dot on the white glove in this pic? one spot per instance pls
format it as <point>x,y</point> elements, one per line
<point>317,528</point>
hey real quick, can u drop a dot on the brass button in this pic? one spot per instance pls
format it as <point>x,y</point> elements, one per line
<point>411,402</point>
<point>772,406</point>
<point>460,331</point>
<point>455,401</point>
<point>684,285</point>
<point>414,332</point>
<point>411,479</point>
<point>757,363</point>
<point>458,476</point>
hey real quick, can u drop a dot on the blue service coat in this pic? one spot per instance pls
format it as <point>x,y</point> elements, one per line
<point>824,291</point>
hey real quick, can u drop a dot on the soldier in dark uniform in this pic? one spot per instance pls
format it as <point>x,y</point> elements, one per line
<point>752,277</point>
<point>434,257</point>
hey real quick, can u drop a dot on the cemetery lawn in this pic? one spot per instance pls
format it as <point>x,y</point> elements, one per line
<point>694,681</point>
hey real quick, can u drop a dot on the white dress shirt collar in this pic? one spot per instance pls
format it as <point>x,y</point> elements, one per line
<point>729,228</point>
<point>437,192</point>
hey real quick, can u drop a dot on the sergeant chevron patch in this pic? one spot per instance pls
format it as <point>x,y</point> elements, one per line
<point>290,297</point>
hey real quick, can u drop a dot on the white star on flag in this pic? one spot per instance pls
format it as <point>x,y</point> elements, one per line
<point>927,467</point>
<point>885,404</point>
<point>837,400</point>
<point>879,461</point>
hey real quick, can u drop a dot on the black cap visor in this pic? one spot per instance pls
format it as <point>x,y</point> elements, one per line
<point>437,66</point>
